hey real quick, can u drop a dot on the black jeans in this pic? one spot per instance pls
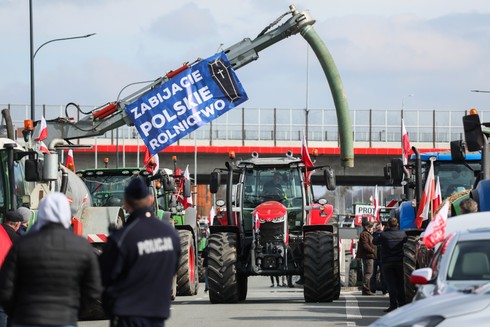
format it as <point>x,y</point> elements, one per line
<point>378,265</point>
<point>393,273</point>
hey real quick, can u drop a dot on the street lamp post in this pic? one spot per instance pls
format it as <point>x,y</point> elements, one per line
<point>33,55</point>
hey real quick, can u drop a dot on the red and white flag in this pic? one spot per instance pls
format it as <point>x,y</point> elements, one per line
<point>42,131</point>
<point>305,157</point>
<point>427,197</point>
<point>70,161</point>
<point>186,202</point>
<point>256,223</point>
<point>436,230</point>
<point>437,200</point>
<point>376,203</point>
<point>152,163</point>
<point>43,148</point>
<point>406,147</point>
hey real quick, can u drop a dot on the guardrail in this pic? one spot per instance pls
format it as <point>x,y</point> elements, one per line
<point>287,124</point>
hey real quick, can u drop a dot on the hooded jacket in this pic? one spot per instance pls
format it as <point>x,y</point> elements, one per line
<point>50,273</point>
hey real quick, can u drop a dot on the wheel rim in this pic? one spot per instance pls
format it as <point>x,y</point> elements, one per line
<point>191,264</point>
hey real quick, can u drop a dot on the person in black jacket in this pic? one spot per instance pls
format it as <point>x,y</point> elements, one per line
<point>138,263</point>
<point>391,240</point>
<point>50,274</point>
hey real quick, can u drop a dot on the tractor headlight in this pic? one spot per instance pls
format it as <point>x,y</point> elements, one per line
<point>278,219</point>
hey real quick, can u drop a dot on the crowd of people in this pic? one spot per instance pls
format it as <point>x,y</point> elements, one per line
<point>50,276</point>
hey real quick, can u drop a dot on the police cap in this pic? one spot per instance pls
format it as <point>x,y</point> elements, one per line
<point>136,189</point>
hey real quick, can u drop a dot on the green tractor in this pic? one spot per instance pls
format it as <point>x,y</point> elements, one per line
<point>175,202</point>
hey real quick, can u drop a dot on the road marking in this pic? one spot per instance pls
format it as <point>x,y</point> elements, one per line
<point>351,309</point>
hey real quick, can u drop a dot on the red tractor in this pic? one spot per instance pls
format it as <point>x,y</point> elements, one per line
<point>271,225</point>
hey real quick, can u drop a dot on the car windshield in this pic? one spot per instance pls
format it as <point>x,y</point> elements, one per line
<point>469,261</point>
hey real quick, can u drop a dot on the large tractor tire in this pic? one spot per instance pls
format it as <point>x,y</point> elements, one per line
<point>201,269</point>
<point>187,283</point>
<point>409,265</point>
<point>223,279</point>
<point>321,278</point>
<point>336,269</point>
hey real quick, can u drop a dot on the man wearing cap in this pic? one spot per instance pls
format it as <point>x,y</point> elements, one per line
<point>26,217</point>
<point>11,224</point>
<point>367,252</point>
<point>138,264</point>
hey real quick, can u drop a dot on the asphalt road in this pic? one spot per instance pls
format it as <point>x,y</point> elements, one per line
<point>278,306</point>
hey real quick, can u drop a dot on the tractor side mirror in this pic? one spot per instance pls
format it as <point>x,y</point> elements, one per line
<point>473,133</point>
<point>396,171</point>
<point>50,169</point>
<point>457,150</point>
<point>33,170</point>
<point>214,182</point>
<point>168,183</point>
<point>187,188</point>
<point>329,177</point>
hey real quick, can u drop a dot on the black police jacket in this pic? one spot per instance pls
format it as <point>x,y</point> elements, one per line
<point>137,267</point>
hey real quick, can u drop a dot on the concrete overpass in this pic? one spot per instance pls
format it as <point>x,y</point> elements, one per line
<point>368,170</point>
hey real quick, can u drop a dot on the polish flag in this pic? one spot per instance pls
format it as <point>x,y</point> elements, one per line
<point>436,230</point>
<point>406,147</point>
<point>152,163</point>
<point>43,148</point>
<point>70,161</point>
<point>43,130</point>
<point>376,203</point>
<point>427,197</point>
<point>437,200</point>
<point>305,157</point>
<point>186,202</point>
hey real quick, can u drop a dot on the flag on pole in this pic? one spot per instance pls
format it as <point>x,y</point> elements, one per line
<point>436,230</point>
<point>70,161</point>
<point>305,157</point>
<point>186,202</point>
<point>427,197</point>
<point>376,203</point>
<point>406,147</point>
<point>43,148</point>
<point>437,200</point>
<point>152,163</point>
<point>43,130</point>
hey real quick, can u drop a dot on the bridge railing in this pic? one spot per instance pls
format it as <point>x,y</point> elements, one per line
<point>288,124</point>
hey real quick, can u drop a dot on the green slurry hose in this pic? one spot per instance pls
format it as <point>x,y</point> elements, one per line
<point>338,94</point>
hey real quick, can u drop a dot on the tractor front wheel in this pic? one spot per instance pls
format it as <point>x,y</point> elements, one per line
<point>186,274</point>
<point>224,286</point>
<point>320,272</point>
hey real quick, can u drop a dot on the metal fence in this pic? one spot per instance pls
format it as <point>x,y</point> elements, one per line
<point>287,124</point>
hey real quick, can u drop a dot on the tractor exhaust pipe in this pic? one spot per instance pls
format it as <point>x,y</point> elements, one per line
<point>229,194</point>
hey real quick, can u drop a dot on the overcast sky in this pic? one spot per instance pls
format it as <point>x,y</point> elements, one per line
<point>385,50</point>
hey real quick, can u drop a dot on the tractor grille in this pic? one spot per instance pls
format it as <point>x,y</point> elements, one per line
<point>270,232</point>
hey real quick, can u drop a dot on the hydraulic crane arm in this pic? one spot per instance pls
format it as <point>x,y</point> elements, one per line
<point>112,116</point>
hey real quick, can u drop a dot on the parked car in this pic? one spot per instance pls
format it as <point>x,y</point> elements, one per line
<point>457,309</point>
<point>461,262</point>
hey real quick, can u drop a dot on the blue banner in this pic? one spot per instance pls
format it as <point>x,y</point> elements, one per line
<point>186,102</point>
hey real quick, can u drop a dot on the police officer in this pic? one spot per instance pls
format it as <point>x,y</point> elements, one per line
<point>138,264</point>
